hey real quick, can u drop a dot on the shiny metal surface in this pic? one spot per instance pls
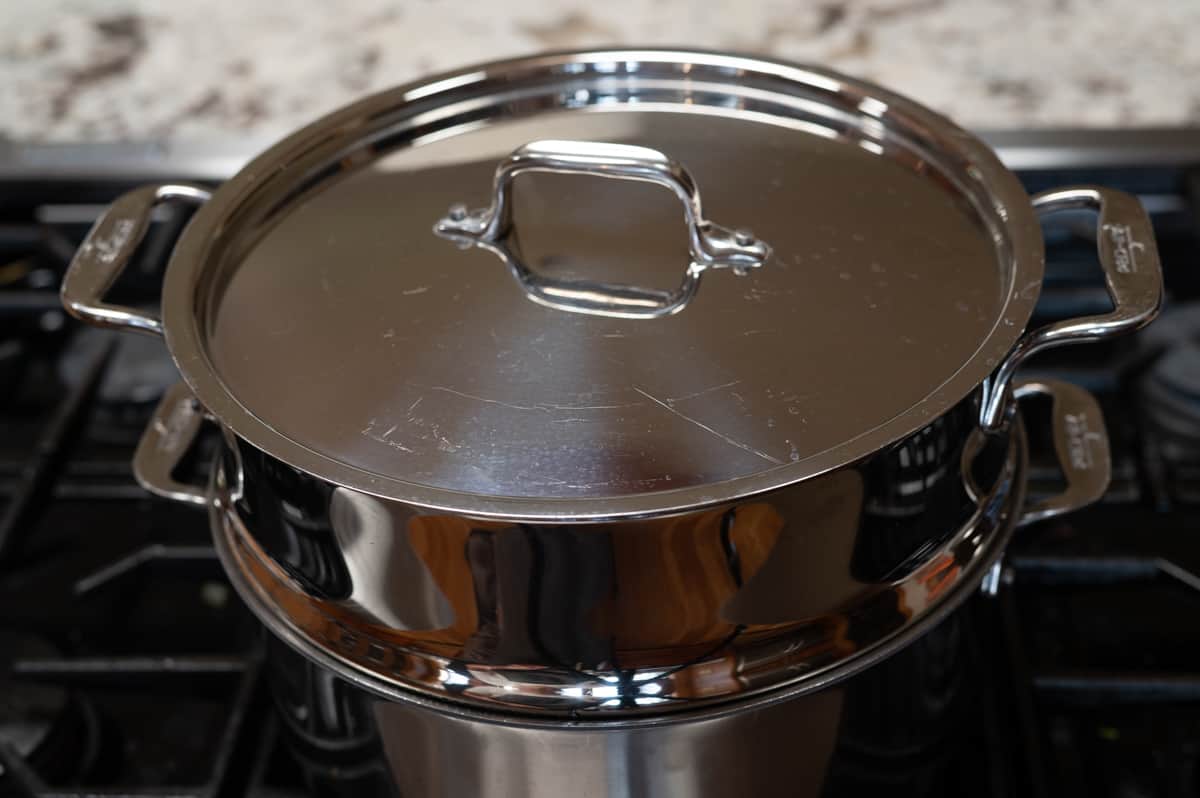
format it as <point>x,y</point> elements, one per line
<point>501,448</point>
<point>1080,444</point>
<point>795,590</point>
<point>471,399</point>
<point>166,440</point>
<point>1080,447</point>
<point>555,479</point>
<point>711,245</point>
<point>1132,273</point>
<point>882,729</point>
<point>106,251</point>
<point>509,399</point>
<point>779,750</point>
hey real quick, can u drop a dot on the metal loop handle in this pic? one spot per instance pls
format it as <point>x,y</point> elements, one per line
<point>1080,443</point>
<point>169,436</point>
<point>1129,257</point>
<point>107,250</point>
<point>1080,446</point>
<point>712,246</point>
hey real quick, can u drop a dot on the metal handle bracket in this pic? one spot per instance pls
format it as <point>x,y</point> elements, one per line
<point>169,436</point>
<point>1080,443</point>
<point>107,250</point>
<point>1129,257</point>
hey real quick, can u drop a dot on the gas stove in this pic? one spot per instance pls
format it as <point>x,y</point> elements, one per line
<point>129,667</point>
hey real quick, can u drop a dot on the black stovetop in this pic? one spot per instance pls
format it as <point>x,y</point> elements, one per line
<point>128,666</point>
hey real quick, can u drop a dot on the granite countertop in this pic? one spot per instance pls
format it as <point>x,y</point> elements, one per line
<point>139,69</point>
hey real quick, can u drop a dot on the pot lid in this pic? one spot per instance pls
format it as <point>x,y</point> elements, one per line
<point>602,284</point>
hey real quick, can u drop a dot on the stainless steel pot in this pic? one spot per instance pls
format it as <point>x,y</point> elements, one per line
<point>509,464</point>
<point>912,723</point>
<point>780,595</point>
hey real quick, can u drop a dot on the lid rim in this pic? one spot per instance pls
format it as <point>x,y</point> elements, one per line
<point>188,262</point>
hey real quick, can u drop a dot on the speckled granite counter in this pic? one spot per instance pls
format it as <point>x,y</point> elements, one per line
<point>136,69</point>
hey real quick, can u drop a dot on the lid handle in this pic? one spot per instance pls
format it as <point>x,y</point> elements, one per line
<point>712,246</point>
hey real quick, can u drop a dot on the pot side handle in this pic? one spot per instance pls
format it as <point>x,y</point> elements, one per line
<point>107,250</point>
<point>1129,257</point>
<point>1080,443</point>
<point>169,436</point>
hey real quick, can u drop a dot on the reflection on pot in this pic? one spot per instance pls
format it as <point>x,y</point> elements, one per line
<point>290,513</point>
<point>392,583</point>
<point>622,616</point>
<point>915,497</point>
<point>891,728</point>
<point>328,727</point>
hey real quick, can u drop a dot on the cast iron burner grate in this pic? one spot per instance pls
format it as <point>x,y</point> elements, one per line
<point>128,667</point>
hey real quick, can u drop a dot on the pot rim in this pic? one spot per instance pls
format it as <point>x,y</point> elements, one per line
<point>973,160</point>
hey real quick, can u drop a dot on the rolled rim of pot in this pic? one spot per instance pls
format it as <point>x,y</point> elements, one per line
<point>441,295</point>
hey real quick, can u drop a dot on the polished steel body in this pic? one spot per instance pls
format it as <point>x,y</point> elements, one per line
<point>889,725</point>
<point>835,731</point>
<point>661,502</point>
<point>770,598</point>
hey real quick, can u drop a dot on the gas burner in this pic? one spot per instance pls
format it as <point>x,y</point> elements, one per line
<point>140,370</point>
<point>45,725</point>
